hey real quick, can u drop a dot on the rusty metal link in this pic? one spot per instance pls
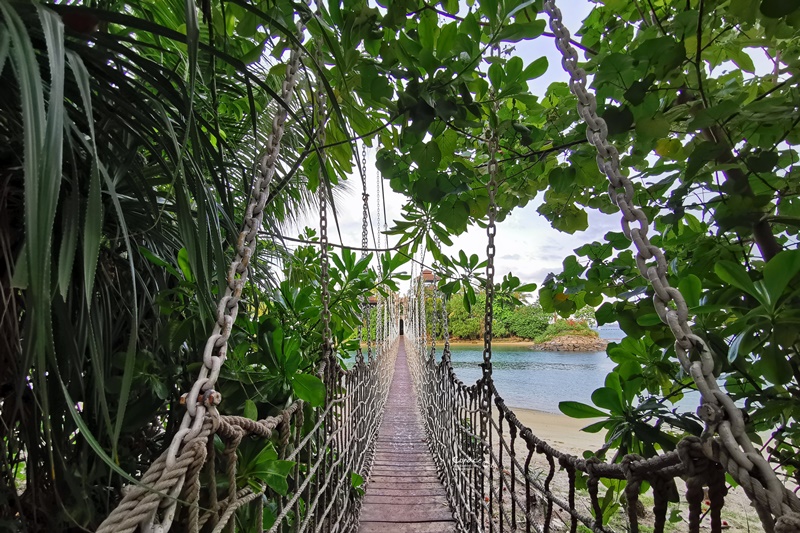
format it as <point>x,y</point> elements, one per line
<point>369,337</point>
<point>435,320</point>
<point>423,323</point>
<point>445,326</point>
<point>692,352</point>
<point>364,202</point>
<point>491,231</point>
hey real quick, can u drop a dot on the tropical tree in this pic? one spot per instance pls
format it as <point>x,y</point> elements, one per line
<point>698,97</point>
<point>131,129</point>
<point>130,133</point>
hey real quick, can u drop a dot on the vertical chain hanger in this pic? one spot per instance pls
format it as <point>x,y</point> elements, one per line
<point>322,116</point>
<point>491,231</point>
<point>485,383</point>
<point>202,394</point>
<point>364,245</point>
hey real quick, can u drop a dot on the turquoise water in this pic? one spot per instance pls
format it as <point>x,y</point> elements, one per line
<point>540,380</point>
<point>536,380</point>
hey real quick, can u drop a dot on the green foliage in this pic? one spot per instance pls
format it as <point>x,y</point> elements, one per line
<point>562,327</point>
<point>467,325</point>
<point>525,322</point>
<point>521,321</point>
<point>130,127</point>
<point>130,135</point>
<point>707,130</point>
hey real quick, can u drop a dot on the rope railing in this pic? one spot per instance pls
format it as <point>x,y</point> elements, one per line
<point>327,445</point>
<point>512,480</point>
<point>485,455</point>
<point>497,473</point>
<point>725,437</point>
<point>197,482</point>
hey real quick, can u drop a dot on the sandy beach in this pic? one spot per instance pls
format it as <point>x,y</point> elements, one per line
<point>519,343</point>
<point>561,431</point>
<point>564,433</point>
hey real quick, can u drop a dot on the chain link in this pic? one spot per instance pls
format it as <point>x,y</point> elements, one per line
<point>364,245</point>
<point>485,384</point>
<point>491,231</point>
<point>435,321</point>
<point>322,118</point>
<point>201,396</point>
<point>693,353</point>
<point>445,326</point>
<point>365,202</point>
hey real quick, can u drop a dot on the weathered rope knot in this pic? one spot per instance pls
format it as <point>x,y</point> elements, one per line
<point>629,466</point>
<point>692,455</point>
<point>788,523</point>
<point>712,415</point>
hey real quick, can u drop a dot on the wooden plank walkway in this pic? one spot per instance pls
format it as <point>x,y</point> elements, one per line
<point>404,494</point>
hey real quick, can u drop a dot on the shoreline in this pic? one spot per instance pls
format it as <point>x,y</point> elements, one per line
<point>562,343</point>
<point>505,342</point>
<point>561,431</point>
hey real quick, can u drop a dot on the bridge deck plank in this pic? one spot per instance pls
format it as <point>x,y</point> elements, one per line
<point>403,493</point>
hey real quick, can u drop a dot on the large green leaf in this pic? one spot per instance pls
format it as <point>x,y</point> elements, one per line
<point>608,398</point>
<point>309,388</point>
<point>735,274</point>
<point>779,272</point>
<point>778,8</point>
<point>691,288</point>
<point>580,410</point>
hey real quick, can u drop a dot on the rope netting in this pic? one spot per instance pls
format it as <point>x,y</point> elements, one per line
<point>485,454</point>
<point>326,446</point>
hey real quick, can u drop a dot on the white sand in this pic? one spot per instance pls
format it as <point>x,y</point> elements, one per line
<point>561,431</point>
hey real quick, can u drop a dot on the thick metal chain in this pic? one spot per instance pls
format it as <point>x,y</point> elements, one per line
<point>322,117</point>
<point>202,394</point>
<point>378,226</point>
<point>380,321</point>
<point>718,409</point>
<point>491,231</point>
<point>445,326</point>
<point>435,322</point>
<point>364,245</point>
<point>370,355</point>
<point>485,384</point>
<point>365,203</point>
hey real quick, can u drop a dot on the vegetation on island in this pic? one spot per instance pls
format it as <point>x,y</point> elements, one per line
<point>513,319</point>
<point>129,131</point>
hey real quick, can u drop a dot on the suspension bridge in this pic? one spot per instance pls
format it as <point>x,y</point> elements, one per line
<point>402,445</point>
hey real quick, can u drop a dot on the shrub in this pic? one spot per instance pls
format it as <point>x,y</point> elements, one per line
<point>560,328</point>
<point>527,322</point>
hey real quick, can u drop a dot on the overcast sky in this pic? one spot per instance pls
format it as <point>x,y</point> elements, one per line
<point>526,243</point>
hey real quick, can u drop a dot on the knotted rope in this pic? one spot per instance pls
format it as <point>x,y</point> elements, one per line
<point>443,397</point>
<point>342,439</point>
<point>163,486</point>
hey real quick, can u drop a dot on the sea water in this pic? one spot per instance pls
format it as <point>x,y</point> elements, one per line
<point>540,380</point>
<point>532,379</point>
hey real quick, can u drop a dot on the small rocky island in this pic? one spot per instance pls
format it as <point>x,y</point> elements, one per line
<point>572,343</point>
